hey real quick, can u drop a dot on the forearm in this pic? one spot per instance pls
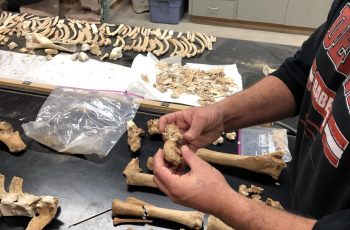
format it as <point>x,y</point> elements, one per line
<point>244,213</point>
<point>268,100</point>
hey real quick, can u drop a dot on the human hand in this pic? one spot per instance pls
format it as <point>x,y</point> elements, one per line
<point>203,188</point>
<point>200,126</point>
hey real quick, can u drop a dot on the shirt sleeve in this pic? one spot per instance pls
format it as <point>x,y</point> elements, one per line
<point>339,220</point>
<point>294,72</point>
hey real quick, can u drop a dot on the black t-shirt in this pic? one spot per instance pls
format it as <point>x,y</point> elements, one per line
<point>319,77</point>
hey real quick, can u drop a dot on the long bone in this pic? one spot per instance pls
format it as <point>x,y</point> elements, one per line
<point>271,164</point>
<point>192,219</point>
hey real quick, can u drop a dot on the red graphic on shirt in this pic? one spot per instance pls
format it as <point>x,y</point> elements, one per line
<point>322,96</point>
<point>334,142</point>
<point>346,85</point>
<point>337,42</point>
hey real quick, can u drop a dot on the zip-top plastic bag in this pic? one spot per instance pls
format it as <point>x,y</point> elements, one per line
<point>259,140</point>
<point>82,121</point>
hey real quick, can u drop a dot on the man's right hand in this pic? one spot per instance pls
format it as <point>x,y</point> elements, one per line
<point>200,126</point>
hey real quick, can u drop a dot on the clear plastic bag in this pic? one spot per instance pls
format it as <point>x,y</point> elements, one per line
<point>259,140</point>
<point>82,121</point>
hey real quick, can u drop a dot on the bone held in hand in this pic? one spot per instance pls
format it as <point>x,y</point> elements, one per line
<point>271,164</point>
<point>173,138</point>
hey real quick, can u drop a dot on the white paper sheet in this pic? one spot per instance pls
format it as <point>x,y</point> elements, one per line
<point>147,65</point>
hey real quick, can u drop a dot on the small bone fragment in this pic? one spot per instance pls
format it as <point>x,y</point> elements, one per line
<point>133,166</point>
<point>23,50</point>
<point>108,42</point>
<point>106,55</point>
<point>273,203</point>
<point>74,56</point>
<point>134,139</point>
<point>12,45</point>
<point>117,52</point>
<point>48,57</point>
<point>85,47</point>
<point>220,140</point>
<point>145,78</point>
<point>270,164</point>
<point>172,137</point>
<point>217,224</point>
<point>152,127</point>
<point>231,136</point>
<point>95,49</point>
<point>192,219</point>
<point>243,190</point>
<point>150,163</point>
<point>51,51</point>
<point>11,139</point>
<point>256,197</point>
<point>117,221</point>
<point>83,57</point>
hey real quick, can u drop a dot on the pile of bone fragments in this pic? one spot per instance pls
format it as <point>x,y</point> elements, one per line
<point>54,34</point>
<point>209,85</point>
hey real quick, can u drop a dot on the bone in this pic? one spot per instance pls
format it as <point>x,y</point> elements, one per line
<point>133,166</point>
<point>173,138</point>
<point>134,133</point>
<point>139,208</point>
<point>140,179</point>
<point>126,209</point>
<point>35,41</point>
<point>117,221</point>
<point>133,200</point>
<point>274,204</point>
<point>42,209</point>
<point>11,139</point>
<point>152,127</point>
<point>217,224</point>
<point>192,219</point>
<point>270,164</point>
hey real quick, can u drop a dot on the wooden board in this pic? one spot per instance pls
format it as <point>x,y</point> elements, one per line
<point>46,89</point>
